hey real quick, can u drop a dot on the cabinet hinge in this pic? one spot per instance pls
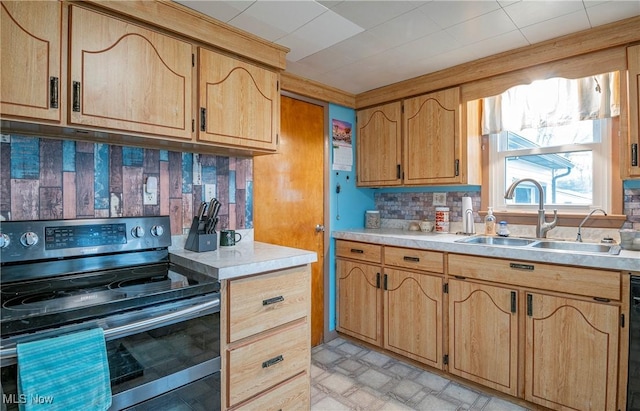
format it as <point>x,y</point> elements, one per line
<point>445,359</point>
<point>445,288</point>
<point>457,167</point>
<point>193,60</point>
<point>622,320</point>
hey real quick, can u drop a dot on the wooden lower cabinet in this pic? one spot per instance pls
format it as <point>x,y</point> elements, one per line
<point>483,334</point>
<point>413,315</point>
<point>265,340</point>
<point>571,359</point>
<point>359,300</point>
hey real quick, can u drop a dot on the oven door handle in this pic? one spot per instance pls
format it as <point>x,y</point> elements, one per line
<point>136,327</point>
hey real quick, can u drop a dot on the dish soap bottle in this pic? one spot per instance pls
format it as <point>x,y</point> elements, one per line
<point>490,223</point>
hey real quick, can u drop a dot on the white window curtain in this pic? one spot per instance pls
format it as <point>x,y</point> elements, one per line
<point>552,102</point>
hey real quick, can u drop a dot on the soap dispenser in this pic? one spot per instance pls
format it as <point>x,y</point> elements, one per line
<point>490,223</point>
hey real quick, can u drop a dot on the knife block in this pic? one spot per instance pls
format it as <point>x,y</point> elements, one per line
<point>198,241</point>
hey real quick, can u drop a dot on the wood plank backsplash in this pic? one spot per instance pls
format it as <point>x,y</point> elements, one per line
<point>42,179</point>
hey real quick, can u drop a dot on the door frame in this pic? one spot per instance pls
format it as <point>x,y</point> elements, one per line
<point>328,335</point>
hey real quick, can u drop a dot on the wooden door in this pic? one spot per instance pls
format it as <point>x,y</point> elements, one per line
<point>571,353</point>
<point>241,102</point>
<point>288,194</point>
<point>30,55</point>
<point>127,77</point>
<point>631,152</point>
<point>413,300</point>
<point>483,335</point>
<point>359,300</point>
<point>432,147</point>
<point>379,148</point>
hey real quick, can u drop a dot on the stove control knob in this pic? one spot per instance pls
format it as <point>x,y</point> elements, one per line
<point>4,241</point>
<point>157,230</point>
<point>137,232</point>
<point>29,239</point>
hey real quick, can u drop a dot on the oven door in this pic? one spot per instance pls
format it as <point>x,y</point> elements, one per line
<point>163,354</point>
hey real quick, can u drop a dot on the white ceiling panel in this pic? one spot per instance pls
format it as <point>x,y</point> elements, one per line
<point>359,45</point>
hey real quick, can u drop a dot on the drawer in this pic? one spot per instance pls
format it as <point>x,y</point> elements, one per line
<point>293,394</point>
<point>417,259</point>
<point>573,280</point>
<point>265,363</point>
<point>359,251</point>
<point>259,303</point>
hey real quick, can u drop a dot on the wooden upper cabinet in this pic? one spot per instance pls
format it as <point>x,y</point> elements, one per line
<point>432,139</point>
<point>379,145</point>
<point>631,154</point>
<point>239,103</point>
<point>126,77</point>
<point>30,55</point>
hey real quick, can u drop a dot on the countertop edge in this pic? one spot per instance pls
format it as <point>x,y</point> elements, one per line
<point>627,260</point>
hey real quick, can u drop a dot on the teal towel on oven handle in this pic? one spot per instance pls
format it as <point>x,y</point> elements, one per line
<point>69,372</point>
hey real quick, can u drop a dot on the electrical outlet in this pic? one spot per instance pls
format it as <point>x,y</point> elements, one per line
<point>149,198</point>
<point>439,199</point>
<point>209,192</point>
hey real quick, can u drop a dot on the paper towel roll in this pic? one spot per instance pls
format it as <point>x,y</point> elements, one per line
<point>466,205</point>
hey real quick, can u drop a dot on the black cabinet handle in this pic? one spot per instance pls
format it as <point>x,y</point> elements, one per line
<point>412,259</point>
<point>516,266</point>
<point>377,280</point>
<point>385,281</point>
<point>203,119</point>
<point>53,92</point>
<point>272,361</point>
<point>357,251</point>
<point>602,299</point>
<point>76,96</point>
<point>513,302</point>
<point>530,305</point>
<point>398,171</point>
<point>273,300</point>
<point>457,168</point>
<point>634,154</point>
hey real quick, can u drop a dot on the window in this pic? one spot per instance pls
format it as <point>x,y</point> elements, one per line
<point>557,132</point>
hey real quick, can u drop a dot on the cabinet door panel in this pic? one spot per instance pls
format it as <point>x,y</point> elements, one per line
<point>571,353</point>
<point>432,149</point>
<point>379,145</point>
<point>633,59</point>
<point>359,300</point>
<point>413,316</point>
<point>130,78</point>
<point>483,335</point>
<point>242,102</point>
<point>30,55</point>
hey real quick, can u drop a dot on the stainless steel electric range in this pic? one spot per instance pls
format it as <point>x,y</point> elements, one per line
<point>161,321</point>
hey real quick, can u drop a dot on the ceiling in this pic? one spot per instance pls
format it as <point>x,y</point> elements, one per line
<point>357,46</point>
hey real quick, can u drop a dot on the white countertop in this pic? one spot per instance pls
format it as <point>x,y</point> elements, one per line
<point>244,258</point>
<point>626,260</point>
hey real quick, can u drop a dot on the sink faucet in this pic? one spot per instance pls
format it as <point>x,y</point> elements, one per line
<point>541,226</point>
<point>579,237</point>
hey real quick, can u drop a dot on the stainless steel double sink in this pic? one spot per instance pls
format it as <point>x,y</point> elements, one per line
<point>557,245</point>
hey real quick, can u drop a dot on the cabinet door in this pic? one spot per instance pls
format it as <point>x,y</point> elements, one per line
<point>128,78</point>
<point>359,300</point>
<point>413,315</point>
<point>379,148</point>
<point>432,146</point>
<point>631,152</point>
<point>571,353</point>
<point>239,103</point>
<point>483,334</point>
<point>30,55</point>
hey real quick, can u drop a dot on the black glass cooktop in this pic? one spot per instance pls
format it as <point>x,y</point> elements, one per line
<point>33,305</point>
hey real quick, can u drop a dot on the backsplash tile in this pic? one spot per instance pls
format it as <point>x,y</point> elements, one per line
<point>42,179</point>
<point>632,208</point>
<point>419,206</point>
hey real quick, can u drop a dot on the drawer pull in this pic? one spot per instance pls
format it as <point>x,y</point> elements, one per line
<point>516,266</point>
<point>273,300</point>
<point>272,361</point>
<point>602,300</point>
<point>412,259</point>
<point>357,251</point>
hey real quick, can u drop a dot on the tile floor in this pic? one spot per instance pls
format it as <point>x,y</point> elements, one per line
<point>347,376</point>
